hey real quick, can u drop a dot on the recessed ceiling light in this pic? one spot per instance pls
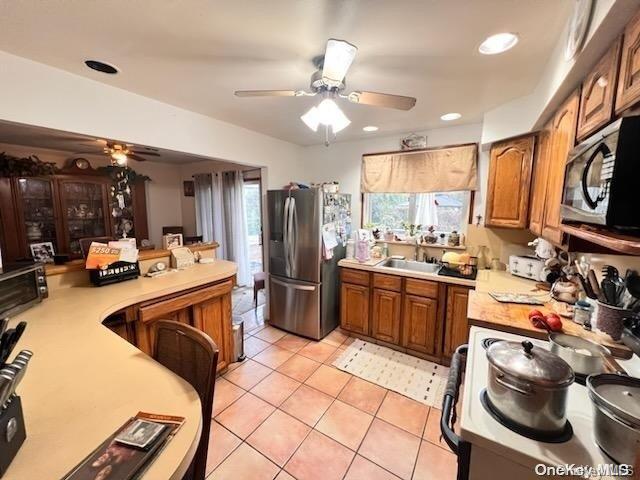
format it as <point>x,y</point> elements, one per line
<point>498,43</point>
<point>101,67</point>
<point>370,128</point>
<point>447,117</point>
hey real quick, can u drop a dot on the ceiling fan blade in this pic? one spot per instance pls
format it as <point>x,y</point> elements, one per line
<point>382,100</point>
<point>337,59</point>
<point>138,158</point>
<point>266,93</point>
<point>150,154</point>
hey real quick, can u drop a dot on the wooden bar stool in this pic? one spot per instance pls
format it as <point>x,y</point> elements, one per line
<point>258,284</point>
<point>192,355</point>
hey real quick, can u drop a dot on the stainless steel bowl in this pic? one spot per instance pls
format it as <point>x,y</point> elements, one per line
<point>582,355</point>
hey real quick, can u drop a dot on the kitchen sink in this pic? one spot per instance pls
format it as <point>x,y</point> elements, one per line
<point>411,265</point>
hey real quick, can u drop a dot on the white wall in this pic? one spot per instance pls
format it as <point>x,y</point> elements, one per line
<point>37,94</point>
<point>341,161</point>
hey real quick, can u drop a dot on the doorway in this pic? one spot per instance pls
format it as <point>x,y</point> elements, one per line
<point>253,216</point>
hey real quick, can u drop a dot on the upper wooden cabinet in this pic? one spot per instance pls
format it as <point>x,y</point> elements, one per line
<point>598,91</point>
<point>562,140</point>
<point>629,81</point>
<point>539,181</point>
<point>509,182</point>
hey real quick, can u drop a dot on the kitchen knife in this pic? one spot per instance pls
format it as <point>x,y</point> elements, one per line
<point>6,380</point>
<point>3,325</point>
<point>14,336</point>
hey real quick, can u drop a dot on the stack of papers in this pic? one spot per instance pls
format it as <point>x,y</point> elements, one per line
<point>101,255</point>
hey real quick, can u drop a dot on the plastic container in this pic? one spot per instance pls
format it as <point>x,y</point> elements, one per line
<point>351,249</point>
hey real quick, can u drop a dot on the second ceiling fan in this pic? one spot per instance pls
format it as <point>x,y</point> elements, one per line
<point>328,81</point>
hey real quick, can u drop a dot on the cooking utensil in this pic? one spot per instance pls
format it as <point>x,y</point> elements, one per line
<point>583,356</point>
<point>612,285</point>
<point>6,380</point>
<point>595,286</point>
<point>632,284</point>
<point>616,403</point>
<point>13,336</point>
<point>586,286</point>
<point>528,385</point>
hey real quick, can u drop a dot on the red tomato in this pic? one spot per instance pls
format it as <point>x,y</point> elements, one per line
<point>538,321</point>
<point>554,322</point>
<point>535,313</point>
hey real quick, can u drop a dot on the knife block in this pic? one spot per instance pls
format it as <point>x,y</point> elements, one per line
<point>12,433</point>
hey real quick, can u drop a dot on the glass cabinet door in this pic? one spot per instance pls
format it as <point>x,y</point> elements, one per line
<point>84,208</point>
<point>36,200</point>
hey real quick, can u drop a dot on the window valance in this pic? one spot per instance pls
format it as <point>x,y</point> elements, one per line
<point>430,170</point>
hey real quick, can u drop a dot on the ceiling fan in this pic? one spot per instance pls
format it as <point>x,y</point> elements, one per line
<point>120,153</point>
<point>328,81</point>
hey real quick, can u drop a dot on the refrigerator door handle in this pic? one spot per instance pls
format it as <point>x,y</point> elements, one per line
<point>293,285</point>
<point>285,234</point>
<point>293,238</point>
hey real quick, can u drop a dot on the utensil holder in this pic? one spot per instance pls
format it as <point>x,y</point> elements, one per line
<point>609,319</point>
<point>12,433</point>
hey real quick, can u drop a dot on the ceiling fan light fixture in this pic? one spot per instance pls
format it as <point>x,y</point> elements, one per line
<point>311,119</point>
<point>498,43</point>
<point>337,59</point>
<point>120,157</point>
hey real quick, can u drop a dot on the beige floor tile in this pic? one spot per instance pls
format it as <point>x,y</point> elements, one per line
<point>292,342</point>
<point>253,346</point>
<point>224,394</point>
<point>248,375</point>
<point>269,334</point>
<point>278,437</point>
<point>363,469</point>
<point>275,388</point>
<point>245,414</point>
<point>221,443</point>
<point>391,447</point>
<point>245,464</point>
<point>298,367</point>
<point>335,338</point>
<point>404,412</point>
<point>284,476</point>
<point>319,458</point>
<point>432,430</point>
<point>345,423</point>
<point>273,356</point>
<point>364,395</point>
<point>307,404</point>
<point>328,380</point>
<point>334,356</point>
<point>318,351</point>
<point>434,462</point>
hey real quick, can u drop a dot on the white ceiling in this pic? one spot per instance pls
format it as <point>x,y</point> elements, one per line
<point>195,53</point>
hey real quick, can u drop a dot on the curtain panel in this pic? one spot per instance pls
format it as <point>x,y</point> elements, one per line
<point>433,170</point>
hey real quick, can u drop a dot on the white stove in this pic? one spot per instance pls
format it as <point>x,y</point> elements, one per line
<point>499,453</point>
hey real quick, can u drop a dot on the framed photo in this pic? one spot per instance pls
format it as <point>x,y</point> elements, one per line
<point>42,252</point>
<point>172,240</point>
<point>189,188</point>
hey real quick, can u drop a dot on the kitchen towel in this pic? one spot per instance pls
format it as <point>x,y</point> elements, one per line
<point>410,376</point>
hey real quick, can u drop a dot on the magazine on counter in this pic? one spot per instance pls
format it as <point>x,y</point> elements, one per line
<point>130,450</point>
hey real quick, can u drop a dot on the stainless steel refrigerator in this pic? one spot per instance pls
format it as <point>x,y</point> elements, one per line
<point>303,283</point>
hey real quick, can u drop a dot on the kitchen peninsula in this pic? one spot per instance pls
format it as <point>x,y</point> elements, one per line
<point>85,381</point>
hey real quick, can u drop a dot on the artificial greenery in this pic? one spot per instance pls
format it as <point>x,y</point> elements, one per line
<point>118,173</point>
<point>31,166</point>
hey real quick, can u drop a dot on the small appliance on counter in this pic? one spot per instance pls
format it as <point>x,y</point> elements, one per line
<point>526,266</point>
<point>22,285</point>
<point>601,176</point>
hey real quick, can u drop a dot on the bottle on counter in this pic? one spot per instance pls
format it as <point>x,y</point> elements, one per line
<point>385,250</point>
<point>351,249</point>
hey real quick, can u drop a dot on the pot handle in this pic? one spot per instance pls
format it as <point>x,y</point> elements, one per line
<point>510,386</point>
<point>450,398</point>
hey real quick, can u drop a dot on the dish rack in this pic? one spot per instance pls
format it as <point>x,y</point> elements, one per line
<point>465,271</point>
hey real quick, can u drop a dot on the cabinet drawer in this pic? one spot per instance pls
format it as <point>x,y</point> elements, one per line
<point>387,282</point>
<point>358,277</point>
<point>422,288</point>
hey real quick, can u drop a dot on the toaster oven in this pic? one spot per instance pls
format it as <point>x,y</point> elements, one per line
<point>22,285</point>
<point>602,178</point>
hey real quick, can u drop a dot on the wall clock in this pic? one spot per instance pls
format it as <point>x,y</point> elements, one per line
<point>81,163</point>
<point>578,26</point>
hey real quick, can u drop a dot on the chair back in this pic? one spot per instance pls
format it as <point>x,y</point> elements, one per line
<point>191,354</point>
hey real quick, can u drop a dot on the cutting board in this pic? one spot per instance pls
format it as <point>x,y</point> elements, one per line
<point>484,311</point>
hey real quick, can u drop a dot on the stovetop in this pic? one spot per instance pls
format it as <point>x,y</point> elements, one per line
<point>479,427</point>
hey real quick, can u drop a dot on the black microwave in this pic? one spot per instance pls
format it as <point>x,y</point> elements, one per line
<point>22,285</point>
<point>602,178</point>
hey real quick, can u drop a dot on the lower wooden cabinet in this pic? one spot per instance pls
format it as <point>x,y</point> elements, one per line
<point>456,321</point>
<point>422,317</point>
<point>420,324</point>
<point>207,308</point>
<point>385,320</point>
<point>354,308</point>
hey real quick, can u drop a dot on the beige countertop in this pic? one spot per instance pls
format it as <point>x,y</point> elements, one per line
<point>84,381</point>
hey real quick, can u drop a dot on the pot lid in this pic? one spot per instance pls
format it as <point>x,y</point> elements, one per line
<point>618,393</point>
<point>529,363</point>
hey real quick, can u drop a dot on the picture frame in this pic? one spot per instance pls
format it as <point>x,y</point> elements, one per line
<point>172,240</point>
<point>189,188</point>
<point>42,252</point>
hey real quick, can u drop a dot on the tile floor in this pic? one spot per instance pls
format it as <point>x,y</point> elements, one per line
<point>286,413</point>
